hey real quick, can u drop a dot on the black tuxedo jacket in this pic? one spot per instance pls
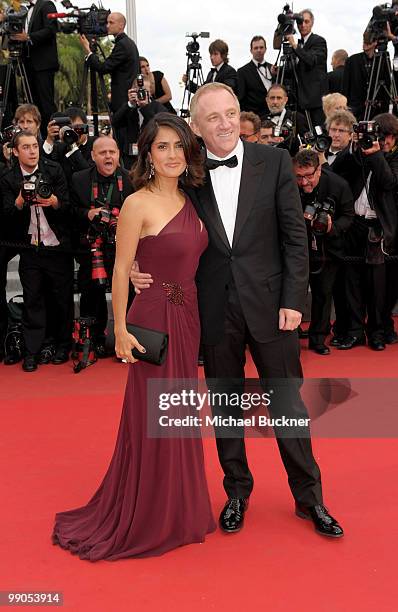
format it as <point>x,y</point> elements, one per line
<point>123,66</point>
<point>81,194</point>
<point>18,220</point>
<point>312,72</point>
<point>226,75</point>
<point>41,51</point>
<point>268,260</point>
<point>335,80</point>
<point>251,89</point>
<point>79,160</point>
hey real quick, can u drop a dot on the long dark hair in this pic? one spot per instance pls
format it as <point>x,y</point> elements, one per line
<point>140,174</point>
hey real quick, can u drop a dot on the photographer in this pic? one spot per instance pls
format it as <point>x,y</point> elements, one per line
<point>249,127</point>
<point>340,129</point>
<point>221,71</point>
<point>69,145</point>
<point>122,64</point>
<point>255,78</point>
<point>35,196</point>
<point>132,116</point>
<point>40,56</point>
<point>289,123</point>
<point>372,286</point>
<point>328,210</point>
<point>97,196</point>
<point>311,53</point>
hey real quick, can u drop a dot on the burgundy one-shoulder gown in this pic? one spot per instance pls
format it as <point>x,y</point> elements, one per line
<point>154,496</point>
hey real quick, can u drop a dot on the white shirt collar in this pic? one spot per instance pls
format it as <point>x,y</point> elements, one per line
<point>238,151</point>
<point>26,173</point>
<point>305,38</point>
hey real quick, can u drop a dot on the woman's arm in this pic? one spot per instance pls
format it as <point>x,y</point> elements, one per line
<point>167,92</point>
<point>128,233</point>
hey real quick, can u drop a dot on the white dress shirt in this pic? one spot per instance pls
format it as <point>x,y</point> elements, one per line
<point>265,74</point>
<point>47,236</point>
<point>226,184</point>
<point>362,206</point>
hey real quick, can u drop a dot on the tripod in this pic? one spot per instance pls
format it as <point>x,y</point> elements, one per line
<point>287,74</point>
<point>194,81</point>
<point>381,67</point>
<point>88,71</point>
<point>14,68</point>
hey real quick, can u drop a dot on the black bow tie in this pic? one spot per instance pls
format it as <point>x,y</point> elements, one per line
<point>213,70</point>
<point>262,65</point>
<point>212,164</point>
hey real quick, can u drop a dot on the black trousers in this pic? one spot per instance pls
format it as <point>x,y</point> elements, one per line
<point>46,275</point>
<point>6,254</point>
<point>279,360</point>
<point>366,287</point>
<point>341,323</point>
<point>41,85</point>
<point>321,301</point>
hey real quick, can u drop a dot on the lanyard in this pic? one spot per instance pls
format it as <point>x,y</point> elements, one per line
<point>95,191</point>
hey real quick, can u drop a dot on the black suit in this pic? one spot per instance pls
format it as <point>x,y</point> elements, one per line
<point>335,80</point>
<point>240,291</point>
<point>312,76</point>
<point>122,65</point>
<point>41,59</point>
<point>356,77</point>
<point>46,273</point>
<point>93,296</point>
<point>252,91</point>
<point>300,127</point>
<point>226,74</point>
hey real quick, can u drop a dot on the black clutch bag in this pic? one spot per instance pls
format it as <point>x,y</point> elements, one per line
<point>155,343</point>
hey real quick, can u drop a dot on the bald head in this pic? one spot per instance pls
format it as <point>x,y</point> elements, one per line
<point>115,23</point>
<point>105,154</point>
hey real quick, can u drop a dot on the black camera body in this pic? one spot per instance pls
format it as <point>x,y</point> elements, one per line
<point>142,93</point>
<point>287,20</point>
<point>14,21</point>
<point>285,130</point>
<point>317,139</point>
<point>193,48</point>
<point>9,133</point>
<point>381,15</point>
<point>317,213</point>
<point>92,22</point>
<point>37,186</point>
<point>104,225</point>
<point>71,135</point>
<point>368,133</point>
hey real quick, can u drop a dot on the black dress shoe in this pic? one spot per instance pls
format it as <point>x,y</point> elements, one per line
<point>232,515</point>
<point>29,364</point>
<point>352,341</point>
<point>337,341</point>
<point>376,345</point>
<point>320,349</point>
<point>61,356</point>
<point>391,337</point>
<point>12,358</point>
<point>46,355</point>
<point>324,523</point>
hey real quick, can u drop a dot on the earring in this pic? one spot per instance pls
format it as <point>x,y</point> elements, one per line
<point>186,171</point>
<point>151,170</point>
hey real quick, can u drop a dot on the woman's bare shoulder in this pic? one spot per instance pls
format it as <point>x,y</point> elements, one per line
<point>138,202</point>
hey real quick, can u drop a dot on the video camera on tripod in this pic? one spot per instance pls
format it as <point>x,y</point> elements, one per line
<point>287,20</point>
<point>13,23</point>
<point>382,15</point>
<point>90,21</point>
<point>193,70</point>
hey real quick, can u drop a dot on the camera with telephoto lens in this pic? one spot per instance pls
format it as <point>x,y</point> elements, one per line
<point>368,133</point>
<point>317,213</point>
<point>9,133</point>
<point>142,93</point>
<point>104,225</point>
<point>317,139</point>
<point>286,21</point>
<point>34,187</point>
<point>70,135</point>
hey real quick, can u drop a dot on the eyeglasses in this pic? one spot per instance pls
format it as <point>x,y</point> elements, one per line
<point>246,136</point>
<point>307,177</point>
<point>333,130</point>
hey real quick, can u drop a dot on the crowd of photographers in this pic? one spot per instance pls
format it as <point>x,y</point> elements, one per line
<point>62,189</point>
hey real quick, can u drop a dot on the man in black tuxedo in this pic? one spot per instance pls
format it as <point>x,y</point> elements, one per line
<point>40,56</point>
<point>356,78</point>
<point>335,77</point>
<point>311,52</point>
<point>46,272</point>
<point>252,283</point>
<point>276,101</point>
<point>255,78</point>
<point>221,71</point>
<point>123,63</point>
<point>103,185</point>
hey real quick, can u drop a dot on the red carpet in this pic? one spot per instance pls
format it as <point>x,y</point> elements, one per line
<point>58,431</point>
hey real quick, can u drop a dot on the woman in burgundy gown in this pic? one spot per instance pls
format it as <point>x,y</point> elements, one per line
<point>154,496</point>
